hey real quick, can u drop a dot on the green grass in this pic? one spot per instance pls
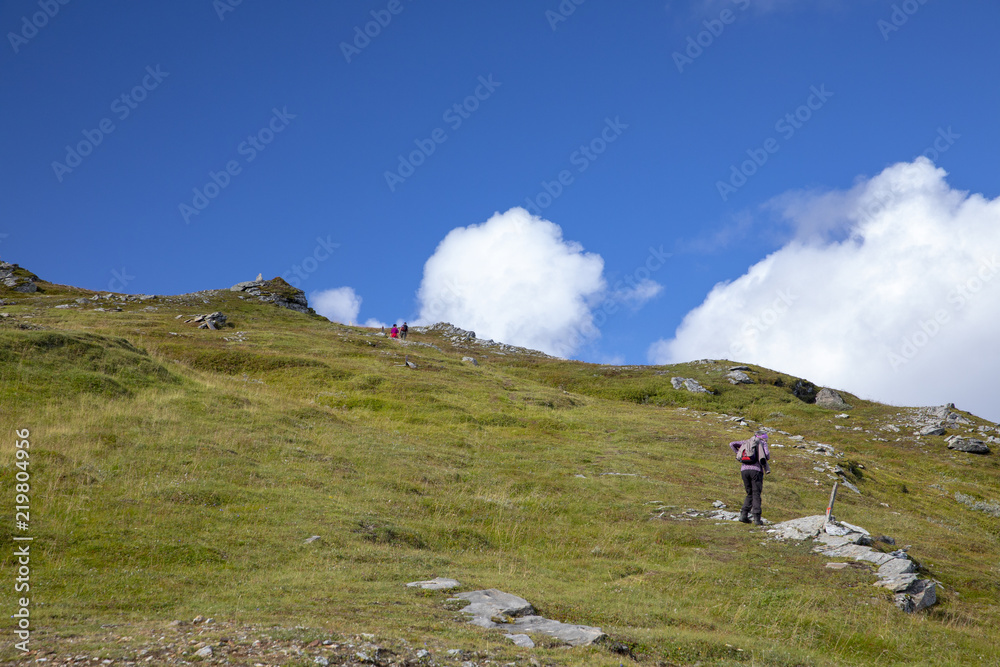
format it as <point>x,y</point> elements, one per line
<point>175,473</point>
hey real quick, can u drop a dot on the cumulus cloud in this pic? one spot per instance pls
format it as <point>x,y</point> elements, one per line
<point>340,304</point>
<point>514,278</point>
<point>890,290</point>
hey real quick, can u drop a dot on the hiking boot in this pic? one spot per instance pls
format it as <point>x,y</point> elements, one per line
<point>757,521</point>
<point>743,517</point>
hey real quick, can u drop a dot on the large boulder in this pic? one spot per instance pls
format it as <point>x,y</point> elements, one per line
<point>828,398</point>
<point>688,384</point>
<point>970,445</point>
<point>738,377</point>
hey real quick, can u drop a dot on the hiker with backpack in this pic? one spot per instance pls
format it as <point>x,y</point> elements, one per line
<point>403,330</point>
<point>752,454</point>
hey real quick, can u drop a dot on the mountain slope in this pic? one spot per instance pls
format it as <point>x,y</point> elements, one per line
<point>178,472</point>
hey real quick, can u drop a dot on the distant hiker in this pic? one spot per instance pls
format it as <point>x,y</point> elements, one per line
<point>394,332</point>
<point>403,330</point>
<point>752,454</point>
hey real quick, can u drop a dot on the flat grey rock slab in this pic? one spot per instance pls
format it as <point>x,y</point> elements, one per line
<point>896,567</point>
<point>574,635</point>
<point>857,552</point>
<point>436,584</point>
<point>897,584</point>
<point>799,529</point>
<point>492,602</point>
<point>524,641</point>
<point>517,616</point>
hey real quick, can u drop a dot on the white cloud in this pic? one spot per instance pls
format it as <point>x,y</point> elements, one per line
<point>340,304</point>
<point>515,279</point>
<point>374,323</point>
<point>890,290</point>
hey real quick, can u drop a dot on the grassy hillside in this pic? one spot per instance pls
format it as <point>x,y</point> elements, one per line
<point>177,472</point>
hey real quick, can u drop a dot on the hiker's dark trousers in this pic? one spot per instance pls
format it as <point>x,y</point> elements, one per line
<point>753,482</point>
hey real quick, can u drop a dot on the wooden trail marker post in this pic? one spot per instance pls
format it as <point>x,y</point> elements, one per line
<point>833,497</point>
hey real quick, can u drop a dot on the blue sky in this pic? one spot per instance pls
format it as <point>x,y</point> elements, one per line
<point>644,108</point>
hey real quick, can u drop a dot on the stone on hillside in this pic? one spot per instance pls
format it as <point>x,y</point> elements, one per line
<point>739,368</point>
<point>738,377</point>
<point>830,399</point>
<point>435,584</point>
<point>689,384</point>
<point>836,566</point>
<point>517,615</point>
<point>921,594</point>
<point>486,604</point>
<point>898,583</point>
<point>524,641</point>
<point>799,529</point>
<point>931,430</point>
<point>896,567</point>
<point>470,360</point>
<point>970,445</point>
<point>204,652</point>
<point>804,391</point>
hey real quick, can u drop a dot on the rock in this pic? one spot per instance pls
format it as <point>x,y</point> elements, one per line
<point>970,445</point>
<point>885,539</point>
<point>470,360</point>
<point>897,584</point>
<point>491,602</point>
<point>896,567</point>
<point>423,653</point>
<point>487,607</point>
<point>718,503</point>
<point>739,377</point>
<point>689,384</point>
<point>314,538</point>
<point>931,430</point>
<point>204,652</point>
<point>524,641</point>
<point>436,584</point>
<point>828,398</point>
<point>799,529</point>
<point>920,595</point>
<point>804,391</point>
<point>321,660</point>
<point>739,368</point>
<point>842,415</point>
<point>836,566</point>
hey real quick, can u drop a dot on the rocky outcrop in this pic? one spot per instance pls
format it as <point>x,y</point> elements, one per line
<point>828,398</point>
<point>435,584</point>
<point>688,384</point>
<point>970,445</point>
<point>495,609</point>
<point>212,321</point>
<point>465,339</point>
<point>839,539</point>
<point>738,377</point>
<point>276,291</point>
<point>14,277</point>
